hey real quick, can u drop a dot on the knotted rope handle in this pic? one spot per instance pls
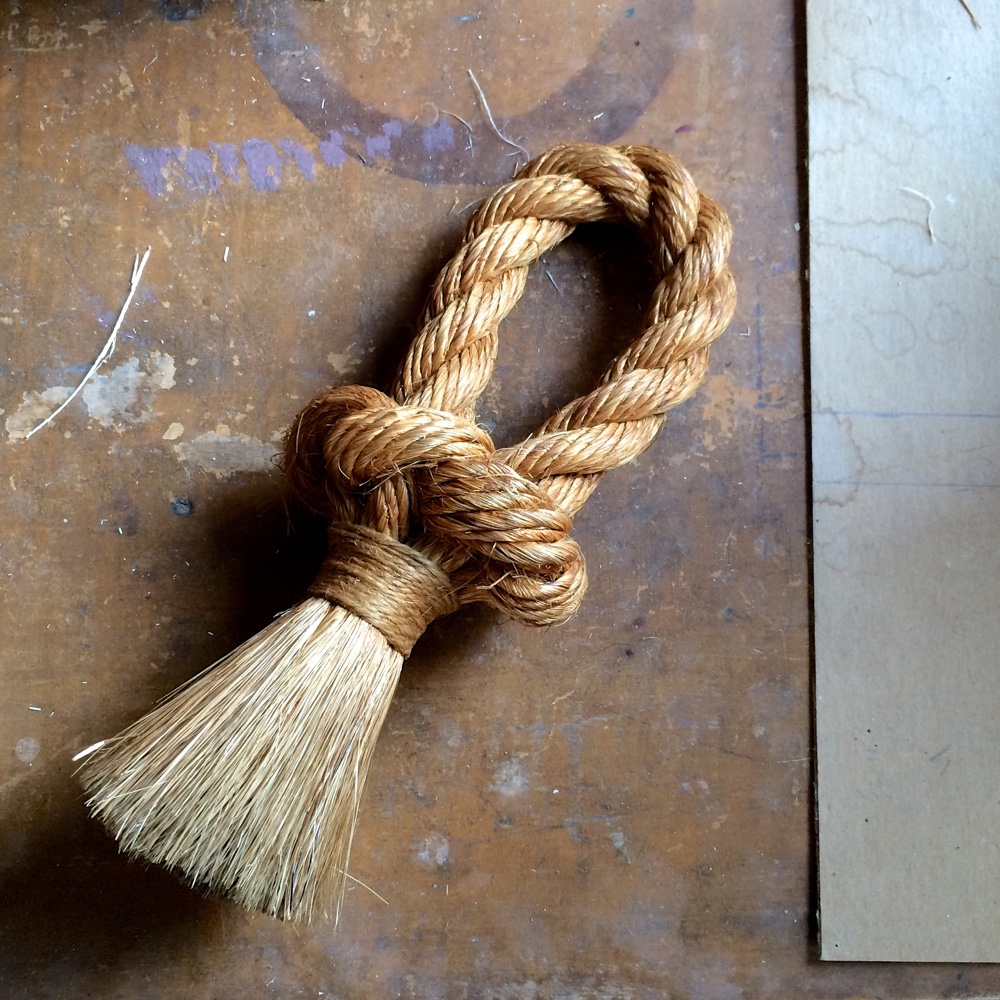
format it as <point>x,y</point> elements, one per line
<point>485,524</point>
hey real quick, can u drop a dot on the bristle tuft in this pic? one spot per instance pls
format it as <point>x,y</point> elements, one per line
<point>249,778</point>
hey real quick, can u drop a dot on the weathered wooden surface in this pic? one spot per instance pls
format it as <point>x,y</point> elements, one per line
<point>617,808</point>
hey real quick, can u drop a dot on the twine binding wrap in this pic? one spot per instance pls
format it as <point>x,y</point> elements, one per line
<point>249,779</point>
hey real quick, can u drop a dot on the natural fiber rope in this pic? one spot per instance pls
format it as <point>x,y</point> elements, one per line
<point>413,465</point>
<point>390,585</point>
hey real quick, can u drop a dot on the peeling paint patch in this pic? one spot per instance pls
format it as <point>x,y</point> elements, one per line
<point>29,37</point>
<point>151,164</point>
<point>225,454</point>
<point>199,169</point>
<point>343,363</point>
<point>117,398</point>
<point>229,161</point>
<point>125,395</point>
<point>381,145</point>
<point>332,150</point>
<point>35,407</point>
<point>161,370</point>
<point>128,87</point>
<point>263,164</point>
<point>303,158</point>
<point>438,137</point>
<point>162,170</point>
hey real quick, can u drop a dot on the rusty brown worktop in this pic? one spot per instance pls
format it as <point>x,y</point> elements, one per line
<point>616,808</point>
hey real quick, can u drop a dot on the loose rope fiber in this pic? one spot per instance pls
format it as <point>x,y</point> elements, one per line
<point>248,780</point>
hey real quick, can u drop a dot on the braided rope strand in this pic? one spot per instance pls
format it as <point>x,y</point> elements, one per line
<point>412,464</point>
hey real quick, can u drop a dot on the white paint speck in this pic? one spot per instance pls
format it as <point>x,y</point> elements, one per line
<point>27,749</point>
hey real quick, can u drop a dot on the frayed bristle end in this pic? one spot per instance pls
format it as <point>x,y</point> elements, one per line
<point>248,780</point>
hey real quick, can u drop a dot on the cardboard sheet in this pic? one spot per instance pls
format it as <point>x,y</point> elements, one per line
<point>905,364</point>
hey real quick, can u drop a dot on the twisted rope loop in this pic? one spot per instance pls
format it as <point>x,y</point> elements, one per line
<point>414,467</point>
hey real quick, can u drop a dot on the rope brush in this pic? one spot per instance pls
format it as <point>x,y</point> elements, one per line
<point>248,780</point>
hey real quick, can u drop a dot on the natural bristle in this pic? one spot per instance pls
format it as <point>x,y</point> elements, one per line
<point>248,780</point>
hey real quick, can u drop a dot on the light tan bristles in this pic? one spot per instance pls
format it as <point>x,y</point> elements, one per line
<point>249,778</point>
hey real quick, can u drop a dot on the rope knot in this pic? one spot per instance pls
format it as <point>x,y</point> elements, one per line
<point>364,461</point>
<point>413,468</point>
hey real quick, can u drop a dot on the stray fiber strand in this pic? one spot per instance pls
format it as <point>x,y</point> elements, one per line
<point>106,351</point>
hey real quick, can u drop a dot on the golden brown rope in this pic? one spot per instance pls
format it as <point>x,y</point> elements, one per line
<point>412,465</point>
<point>388,584</point>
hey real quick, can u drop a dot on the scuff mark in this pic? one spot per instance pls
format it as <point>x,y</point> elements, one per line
<point>26,749</point>
<point>432,851</point>
<point>619,843</point>
<point>226,454</point>
<point>510,778</point>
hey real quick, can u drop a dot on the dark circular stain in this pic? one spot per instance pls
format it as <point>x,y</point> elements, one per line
<point>182,506</point>
<point>180,10</point>
<point>599,103</point>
